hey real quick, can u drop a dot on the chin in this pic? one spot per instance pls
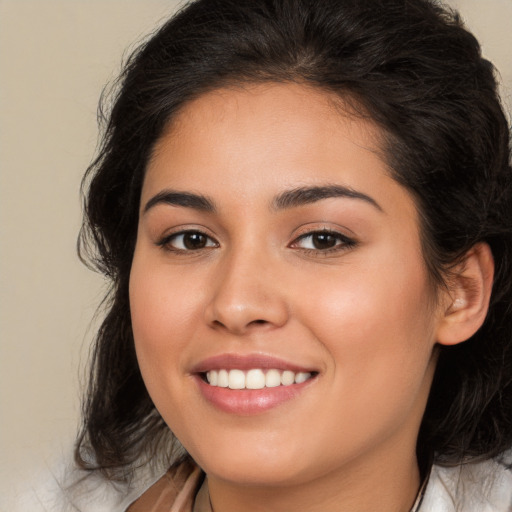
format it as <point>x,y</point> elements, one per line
<point>252,465</point>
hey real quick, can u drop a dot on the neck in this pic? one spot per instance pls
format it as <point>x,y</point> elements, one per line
<point>390,486</point>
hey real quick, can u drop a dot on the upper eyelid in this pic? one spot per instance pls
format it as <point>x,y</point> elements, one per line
<point>324,231</point>
<point>331,227</point>
<point>179,230</point>
<point>308,230</point>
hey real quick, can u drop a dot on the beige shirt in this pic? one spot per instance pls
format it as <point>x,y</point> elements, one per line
<point>181,489</point>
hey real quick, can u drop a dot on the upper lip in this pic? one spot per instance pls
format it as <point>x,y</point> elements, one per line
<point>247,362</point>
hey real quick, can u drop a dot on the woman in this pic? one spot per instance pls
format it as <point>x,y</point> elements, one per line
<point>304,209</point>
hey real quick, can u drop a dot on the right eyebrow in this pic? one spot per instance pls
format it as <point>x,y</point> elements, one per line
<point>185,199</point>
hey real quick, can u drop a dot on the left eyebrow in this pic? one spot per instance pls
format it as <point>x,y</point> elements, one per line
<point>306,195</point>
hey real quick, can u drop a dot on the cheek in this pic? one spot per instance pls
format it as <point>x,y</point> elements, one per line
<point>162,302</point>
<point>379,292</point>
<point>161,317</point>
<point>378,334</point>
<point>377,324</point>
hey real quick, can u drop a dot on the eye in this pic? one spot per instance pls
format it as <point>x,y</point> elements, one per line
<point>323,241</point>
<point>187,241</point>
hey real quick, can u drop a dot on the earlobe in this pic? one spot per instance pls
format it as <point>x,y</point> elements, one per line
<point>467,301</point>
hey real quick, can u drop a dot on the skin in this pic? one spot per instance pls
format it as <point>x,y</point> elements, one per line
<point>362,314</point>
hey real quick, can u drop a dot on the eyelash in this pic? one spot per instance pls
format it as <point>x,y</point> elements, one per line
<point>342,242</point>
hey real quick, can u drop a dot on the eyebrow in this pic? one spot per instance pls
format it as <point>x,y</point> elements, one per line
<point>306,195</point>
<point>185,199</point>
<point>288,199</point>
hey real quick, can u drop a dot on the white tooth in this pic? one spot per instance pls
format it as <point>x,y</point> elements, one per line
<point>236,379</point>
<point>302,377</point>
<point>287,378</point>
<point>255,379</point>
<point>223,379</point>
<point>272,379</point>
<point>212,377</point>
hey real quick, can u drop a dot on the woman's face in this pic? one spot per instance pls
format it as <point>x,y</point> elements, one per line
<point>275,252</point>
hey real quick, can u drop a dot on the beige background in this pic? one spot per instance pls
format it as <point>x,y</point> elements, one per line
<point>55,57</point>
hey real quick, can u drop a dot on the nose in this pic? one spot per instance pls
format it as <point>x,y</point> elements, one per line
<point>246,294</point>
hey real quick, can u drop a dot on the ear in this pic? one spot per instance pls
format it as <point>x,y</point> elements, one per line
<point>465,306</point>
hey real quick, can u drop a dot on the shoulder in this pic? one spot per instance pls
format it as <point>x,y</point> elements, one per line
<point>473,487</point>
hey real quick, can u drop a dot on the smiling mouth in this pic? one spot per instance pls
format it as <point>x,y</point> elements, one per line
<point>255,378</point>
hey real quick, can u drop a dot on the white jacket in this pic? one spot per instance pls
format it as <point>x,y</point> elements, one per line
<point>481,487</point>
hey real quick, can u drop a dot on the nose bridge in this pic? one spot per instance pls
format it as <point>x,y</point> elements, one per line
<point>246,292</point>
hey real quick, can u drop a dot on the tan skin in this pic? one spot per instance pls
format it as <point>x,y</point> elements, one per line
<point>337,285</point>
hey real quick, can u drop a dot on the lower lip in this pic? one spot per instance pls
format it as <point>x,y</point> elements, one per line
<point>247,402</point>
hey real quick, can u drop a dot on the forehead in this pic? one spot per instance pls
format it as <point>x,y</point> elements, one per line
<point>283,96</point>
<point>287,131</point>
<point>253,108</point>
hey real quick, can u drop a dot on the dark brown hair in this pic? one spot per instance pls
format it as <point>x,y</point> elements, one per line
<point>418,74</point>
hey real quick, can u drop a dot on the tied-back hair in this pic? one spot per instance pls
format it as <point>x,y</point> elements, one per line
<point>411,67</point>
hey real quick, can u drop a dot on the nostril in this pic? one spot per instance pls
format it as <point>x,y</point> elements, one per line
<point>259,322</point>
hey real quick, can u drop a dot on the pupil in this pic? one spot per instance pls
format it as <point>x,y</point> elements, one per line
<point>194,241</point>
<point>324,241</point>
